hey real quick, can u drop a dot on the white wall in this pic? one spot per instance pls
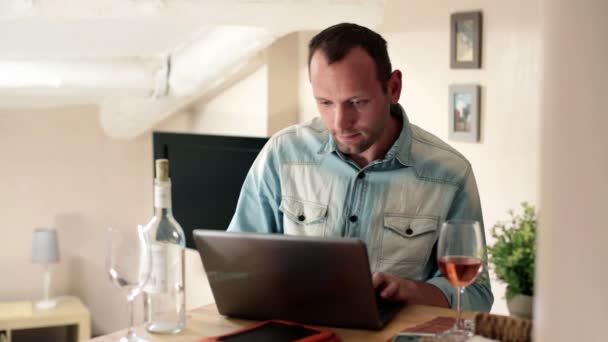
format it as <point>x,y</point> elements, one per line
<point>60,170</point>
<point>259,101</point>
<point>283,83</point>
<point>506,161</point>
<point>572,302</point>
<point>240,108</point>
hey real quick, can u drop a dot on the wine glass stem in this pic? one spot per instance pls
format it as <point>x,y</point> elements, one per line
<point>130,330</point>
<point>459,291</point>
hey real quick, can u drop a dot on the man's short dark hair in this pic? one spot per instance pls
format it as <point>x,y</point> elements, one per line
<point>336,41</point>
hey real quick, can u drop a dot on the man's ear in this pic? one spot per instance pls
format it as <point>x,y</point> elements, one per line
<point>394,86</point>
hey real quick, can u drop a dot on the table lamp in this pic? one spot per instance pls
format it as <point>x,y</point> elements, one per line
<point>45,251</point>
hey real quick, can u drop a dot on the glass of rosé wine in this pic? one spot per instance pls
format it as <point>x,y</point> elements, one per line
<point>460,254</point>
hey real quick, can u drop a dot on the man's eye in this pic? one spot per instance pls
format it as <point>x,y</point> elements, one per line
<point>360,103</point>
<point>325,103</point>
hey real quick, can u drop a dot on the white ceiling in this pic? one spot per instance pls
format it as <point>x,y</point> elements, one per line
<point>42,37</point>
<point>117,28</point>
<point>117,53</point>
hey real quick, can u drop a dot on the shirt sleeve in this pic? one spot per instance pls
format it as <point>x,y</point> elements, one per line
<point>257,209</point>
<point>477,296</point>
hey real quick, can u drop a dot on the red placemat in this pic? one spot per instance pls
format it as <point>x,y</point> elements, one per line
<point>277,330</point>
<point>434,326</point>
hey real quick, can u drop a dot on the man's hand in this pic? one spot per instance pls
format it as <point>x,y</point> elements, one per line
<point>406,290</point>
<point>390,287</point>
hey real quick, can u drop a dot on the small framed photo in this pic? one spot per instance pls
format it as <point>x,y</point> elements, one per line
<point>464,112</point>
<point>465,40</point>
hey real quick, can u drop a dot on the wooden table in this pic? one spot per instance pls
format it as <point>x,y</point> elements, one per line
<point>206,321</point>
<point>69,312</point>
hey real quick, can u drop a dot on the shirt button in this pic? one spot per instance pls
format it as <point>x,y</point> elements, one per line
<point>361,175</point>
<point>353,218</point>
<point>409,231</point>
<point>301,218</point>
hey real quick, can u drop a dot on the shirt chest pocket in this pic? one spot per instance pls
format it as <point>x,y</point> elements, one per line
<point>303,217</point>
<point>408,239</point>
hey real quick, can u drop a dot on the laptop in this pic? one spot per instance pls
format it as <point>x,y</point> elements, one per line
<point>318,281</point>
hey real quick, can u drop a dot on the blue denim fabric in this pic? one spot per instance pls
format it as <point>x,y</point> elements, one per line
<point>301,184</point>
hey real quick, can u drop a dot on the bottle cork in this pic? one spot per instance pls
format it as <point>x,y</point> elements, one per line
<point>162,170</point>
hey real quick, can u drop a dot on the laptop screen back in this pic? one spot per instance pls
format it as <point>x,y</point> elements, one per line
<point>324,281</point>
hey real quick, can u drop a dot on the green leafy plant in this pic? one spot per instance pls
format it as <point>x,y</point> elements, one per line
<point>512,254</point>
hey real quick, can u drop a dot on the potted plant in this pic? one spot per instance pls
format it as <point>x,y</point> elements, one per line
<point>512,256</point>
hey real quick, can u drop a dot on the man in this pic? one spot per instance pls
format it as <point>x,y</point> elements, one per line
<point>362,170</point>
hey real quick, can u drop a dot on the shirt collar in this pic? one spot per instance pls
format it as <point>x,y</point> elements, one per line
<point>329,145</point>
<point>400,149</point>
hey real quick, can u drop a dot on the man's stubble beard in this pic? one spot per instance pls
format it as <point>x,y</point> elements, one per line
<point>362,146</point>
<point>368,139</point>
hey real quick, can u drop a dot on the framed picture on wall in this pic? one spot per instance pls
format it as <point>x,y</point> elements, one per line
<point>465,40</point>
<point>464,112</point>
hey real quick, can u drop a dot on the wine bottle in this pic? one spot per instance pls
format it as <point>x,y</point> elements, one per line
<point>164,293</point>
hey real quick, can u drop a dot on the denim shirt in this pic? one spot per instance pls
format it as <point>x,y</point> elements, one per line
<point>301,184</point>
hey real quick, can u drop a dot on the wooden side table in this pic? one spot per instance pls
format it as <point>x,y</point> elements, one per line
<point>69,312</point>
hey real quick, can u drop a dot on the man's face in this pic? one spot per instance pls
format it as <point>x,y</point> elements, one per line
<point>351,101</point>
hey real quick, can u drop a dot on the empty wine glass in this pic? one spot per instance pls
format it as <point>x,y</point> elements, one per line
<point>128,263</point>
<point>460,253</point>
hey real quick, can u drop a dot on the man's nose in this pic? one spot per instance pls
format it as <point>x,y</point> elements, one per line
<point>343,118</point>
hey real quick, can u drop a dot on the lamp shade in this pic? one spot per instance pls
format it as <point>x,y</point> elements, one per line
<point>45,248</point>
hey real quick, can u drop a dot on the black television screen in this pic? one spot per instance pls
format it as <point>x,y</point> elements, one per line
<point>207,172</point>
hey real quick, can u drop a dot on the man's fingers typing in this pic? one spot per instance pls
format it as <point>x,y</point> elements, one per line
<point>377,279</point>
<point>390,290</point>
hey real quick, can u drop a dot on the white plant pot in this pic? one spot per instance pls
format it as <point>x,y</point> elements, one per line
<point>520,306</point>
